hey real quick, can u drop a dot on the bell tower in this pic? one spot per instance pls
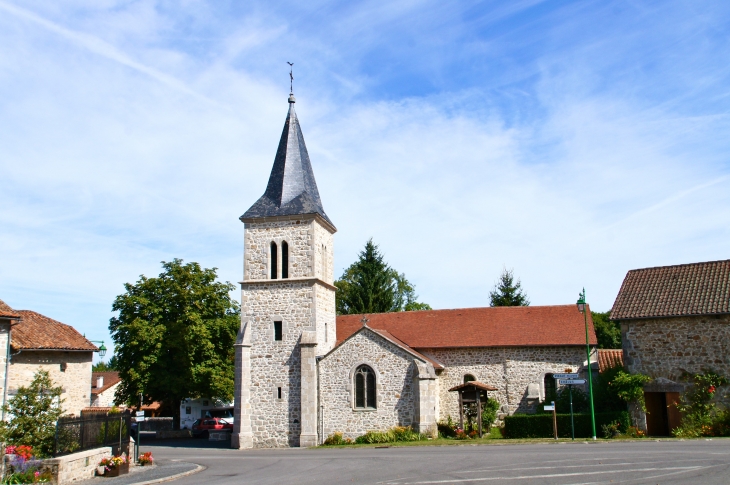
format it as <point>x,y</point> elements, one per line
<point>287,303</point>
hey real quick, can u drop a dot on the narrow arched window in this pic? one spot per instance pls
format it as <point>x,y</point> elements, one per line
<point>284,259</point>
<point>550,387</point>
<point>324,262</point>
<point>273,264</point>
<point>468,378</point>
<point>365,395</point>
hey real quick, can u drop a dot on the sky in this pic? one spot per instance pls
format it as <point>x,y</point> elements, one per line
<point>569,141</point>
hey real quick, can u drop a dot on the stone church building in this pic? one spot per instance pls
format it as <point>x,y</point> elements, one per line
<point>303,373</point>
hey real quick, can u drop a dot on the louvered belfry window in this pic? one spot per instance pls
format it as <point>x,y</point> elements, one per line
<point>365,395</point>
<point>273,261</point>
<point>284,259</point>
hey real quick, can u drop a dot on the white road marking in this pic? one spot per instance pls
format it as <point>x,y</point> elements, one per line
<point>526,477</point>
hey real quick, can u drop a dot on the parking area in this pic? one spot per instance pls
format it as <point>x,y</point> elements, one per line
<point>635,462</point>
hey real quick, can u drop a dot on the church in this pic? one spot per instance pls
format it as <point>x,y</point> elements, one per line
<point>303,373</point>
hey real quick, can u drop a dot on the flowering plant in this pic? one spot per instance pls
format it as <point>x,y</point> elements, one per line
<point>22,451</point>
<point>110,462</point>
<point>10,450</point>
<point>146,458</point>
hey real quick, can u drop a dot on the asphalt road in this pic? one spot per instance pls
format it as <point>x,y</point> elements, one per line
<point>637,462</point>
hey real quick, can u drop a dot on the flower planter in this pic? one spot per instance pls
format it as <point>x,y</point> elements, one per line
<point>100,470</point>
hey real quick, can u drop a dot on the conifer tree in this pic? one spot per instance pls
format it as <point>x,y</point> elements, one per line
<point>507,291</point>
<point>369,285</point>
<point>33,413</point>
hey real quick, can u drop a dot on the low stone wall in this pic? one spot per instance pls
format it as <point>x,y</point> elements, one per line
<point>73,467</point>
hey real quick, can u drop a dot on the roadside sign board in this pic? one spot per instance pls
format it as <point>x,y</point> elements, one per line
<point>139,418</point>
<point>571,382</point>
<point>566,376</point>
<point>140,413</point>
<point>549,408</point>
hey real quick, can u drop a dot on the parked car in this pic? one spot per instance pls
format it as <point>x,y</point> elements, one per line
<point>202,427</point>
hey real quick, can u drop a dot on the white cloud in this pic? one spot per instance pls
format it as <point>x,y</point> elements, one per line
<point>122,148</point>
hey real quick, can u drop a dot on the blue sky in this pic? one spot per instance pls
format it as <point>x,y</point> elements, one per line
<point>571,141</point>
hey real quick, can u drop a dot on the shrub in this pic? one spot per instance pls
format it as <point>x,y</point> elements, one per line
<point>541,425</point>
<point>489,412</point>
<point>701,417</point>
<point>447,428</point>
<point>34,410</point>
<point>398,433</point>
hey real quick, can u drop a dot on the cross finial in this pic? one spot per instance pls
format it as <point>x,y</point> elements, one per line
<point>364,321</point>
<point>291,77</point>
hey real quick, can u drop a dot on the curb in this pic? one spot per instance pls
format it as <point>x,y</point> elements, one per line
<point>199,468</point>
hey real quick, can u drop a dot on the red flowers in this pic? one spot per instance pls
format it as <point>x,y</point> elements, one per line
<point>711,389</point>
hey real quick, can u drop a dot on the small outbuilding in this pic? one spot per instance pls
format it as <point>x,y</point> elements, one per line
<point>674,320</point>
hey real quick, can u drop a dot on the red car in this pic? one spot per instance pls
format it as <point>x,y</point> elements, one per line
<point>202,427</point>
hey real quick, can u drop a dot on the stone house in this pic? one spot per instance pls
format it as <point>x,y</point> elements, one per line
<point>8,318</point>
<point>38,343</point>
<point>302,372</point>
<point>103,387</point>
<point>674,320</point>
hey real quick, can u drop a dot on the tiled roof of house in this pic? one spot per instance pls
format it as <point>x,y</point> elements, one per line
<point>667,291</point>
<point>110,379</point>
<point>7,312</point>
<point>38,332</point>
<point>533,326</point>
<point>610,358</point>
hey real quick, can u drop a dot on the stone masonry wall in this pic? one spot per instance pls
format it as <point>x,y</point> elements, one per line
<point>75,380</point>
<point>299,235</point>
<point>396,392</point>
<point>304,305</point>
<point>521,366</point>
<point>666,347</point>
<point>4,342</point>
<point>275,422</point>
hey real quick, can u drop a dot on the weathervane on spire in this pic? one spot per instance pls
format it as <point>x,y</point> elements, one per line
<point>291,77</point>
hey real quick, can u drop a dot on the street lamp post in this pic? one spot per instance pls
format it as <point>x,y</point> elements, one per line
<point>102,348</point>
<point>582,308</point>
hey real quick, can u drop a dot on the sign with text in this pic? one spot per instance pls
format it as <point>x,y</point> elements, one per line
<point>139,413</point>
<point>139,419</point>
<point>566,376</point>
<point>549,407</point>
<point>571,382</point>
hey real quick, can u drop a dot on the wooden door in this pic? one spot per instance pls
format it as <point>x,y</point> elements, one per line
<point>656,414</point>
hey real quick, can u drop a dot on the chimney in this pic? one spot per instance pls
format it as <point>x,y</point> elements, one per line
<point>100,382</point>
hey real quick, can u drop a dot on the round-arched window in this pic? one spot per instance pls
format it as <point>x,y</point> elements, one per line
<point>365,396</point>
<point>469,378</point>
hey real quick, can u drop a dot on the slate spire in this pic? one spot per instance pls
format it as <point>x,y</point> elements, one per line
<point>292,189</point>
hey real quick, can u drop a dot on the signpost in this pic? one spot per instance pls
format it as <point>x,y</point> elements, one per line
<point>551,407</point>
<point>570,380</point>
<point>139,418</point>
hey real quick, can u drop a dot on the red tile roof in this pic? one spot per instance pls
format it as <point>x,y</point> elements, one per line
<point>7,312</point>
<point>533,326</point>
<point>38,332</point>
<point>610,358</point>
<point>667,291</point>
<point>110,378</point>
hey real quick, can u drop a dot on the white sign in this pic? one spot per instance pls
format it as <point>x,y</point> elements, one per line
<point>139,418</point>
<point>140,413</point>
<point>571,382</point>
<point>549,408</point>
<point>565,376</point>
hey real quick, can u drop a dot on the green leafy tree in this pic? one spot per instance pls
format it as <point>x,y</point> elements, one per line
<point>629,387</point>
<point>608,332</point>
<point>110,365</point>
<point>33,412</point>
<point>507,291</point>
<point>174,337</point>
<point>369,285</point>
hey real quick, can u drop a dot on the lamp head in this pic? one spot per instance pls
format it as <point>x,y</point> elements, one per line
<point>102,350</point>
<point>581,303</point>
